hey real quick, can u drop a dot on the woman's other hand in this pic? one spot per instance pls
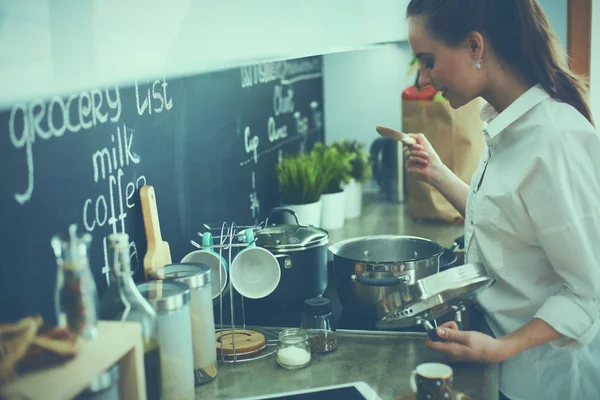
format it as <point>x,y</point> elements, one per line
<point>467,345</point>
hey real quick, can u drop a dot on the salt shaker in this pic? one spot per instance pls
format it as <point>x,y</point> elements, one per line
<point>293,350</point>
<point>317,320</point>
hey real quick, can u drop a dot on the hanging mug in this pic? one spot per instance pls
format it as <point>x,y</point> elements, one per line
<point>255,271</point>
<point>218,265</point>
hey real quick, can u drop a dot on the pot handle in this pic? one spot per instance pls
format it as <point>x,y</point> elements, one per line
<point>380,281</point>
<point>287,262</point>
<point>276,210</point>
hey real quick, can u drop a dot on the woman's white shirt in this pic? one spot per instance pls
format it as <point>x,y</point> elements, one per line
<point>533,218</point>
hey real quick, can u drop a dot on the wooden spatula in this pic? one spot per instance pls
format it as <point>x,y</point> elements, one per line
<point>158,253</point>
<point>392,134</point>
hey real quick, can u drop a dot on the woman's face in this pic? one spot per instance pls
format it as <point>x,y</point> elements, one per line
<point>449,69</point>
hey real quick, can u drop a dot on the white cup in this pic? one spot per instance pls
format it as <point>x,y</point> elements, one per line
<point>255,272</point>
<point>217,264</point>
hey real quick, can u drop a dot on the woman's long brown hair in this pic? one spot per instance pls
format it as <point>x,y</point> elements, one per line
<point>519,33</point>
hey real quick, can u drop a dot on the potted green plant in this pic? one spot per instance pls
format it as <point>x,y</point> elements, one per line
<point>361,172</point>
<point>335,169</point>
<point>301,186</point>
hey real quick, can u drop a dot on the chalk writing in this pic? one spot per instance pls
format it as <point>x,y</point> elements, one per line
<point>155,99</point>
<point>55,117</point>
<point>283,103</point>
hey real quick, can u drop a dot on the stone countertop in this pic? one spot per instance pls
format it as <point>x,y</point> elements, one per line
<point>383,360</point>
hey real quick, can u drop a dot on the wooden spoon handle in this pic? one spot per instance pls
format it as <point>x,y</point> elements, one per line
<point>396,135</point>
<point>150,214</point>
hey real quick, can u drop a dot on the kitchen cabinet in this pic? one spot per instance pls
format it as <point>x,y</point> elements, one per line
<point>63,46</point>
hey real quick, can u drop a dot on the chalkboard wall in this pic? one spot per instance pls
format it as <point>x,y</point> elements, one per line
<point>208,144</point>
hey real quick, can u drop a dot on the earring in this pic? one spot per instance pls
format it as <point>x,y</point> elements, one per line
<point>478,64</point>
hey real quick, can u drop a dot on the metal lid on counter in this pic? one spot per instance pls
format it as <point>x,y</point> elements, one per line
<point>192,274</point>
<point>290,237</point>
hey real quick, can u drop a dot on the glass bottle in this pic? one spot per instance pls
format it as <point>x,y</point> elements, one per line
<point>317,320</point>
<point>123,302</point>
<point>76,297</point>
<point>293,349</point>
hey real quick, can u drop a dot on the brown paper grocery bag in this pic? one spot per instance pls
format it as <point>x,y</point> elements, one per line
<point>457,137</point>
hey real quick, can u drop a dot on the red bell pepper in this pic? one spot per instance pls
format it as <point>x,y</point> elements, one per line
<point>426,93</point>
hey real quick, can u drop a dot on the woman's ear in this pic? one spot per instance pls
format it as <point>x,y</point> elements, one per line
<point>476,45</point>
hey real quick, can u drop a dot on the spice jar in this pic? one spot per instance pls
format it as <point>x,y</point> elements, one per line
<point>76,298</point>
<point>317,320</point>
<point>198,278</point>
<point>171,301</point>
<point>293,350</point>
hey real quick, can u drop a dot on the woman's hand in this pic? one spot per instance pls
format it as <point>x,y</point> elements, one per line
<point>467,345</point>
<point>421,159</point>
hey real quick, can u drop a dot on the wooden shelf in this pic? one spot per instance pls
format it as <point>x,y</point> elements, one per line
<point>116,342</point>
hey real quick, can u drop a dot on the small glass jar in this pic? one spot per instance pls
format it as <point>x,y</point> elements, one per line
<point>318,322</point>
<point>293,350</point>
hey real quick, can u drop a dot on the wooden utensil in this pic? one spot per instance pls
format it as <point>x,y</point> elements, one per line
<point>396,135</point>
<point>158,253</point>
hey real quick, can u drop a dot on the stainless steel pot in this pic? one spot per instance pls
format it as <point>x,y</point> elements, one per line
<point>302,254</point>
<point>368,268</point>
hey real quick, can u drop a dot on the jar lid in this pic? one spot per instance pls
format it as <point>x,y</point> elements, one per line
<point>194,275</point>
<point>165,296</point>
<point>291,237</point>
<point>317,306</point>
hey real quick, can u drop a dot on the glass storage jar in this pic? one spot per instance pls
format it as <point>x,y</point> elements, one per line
<point>122,301</point>
<point>318,322</point>
<point>171,301</point>
<point>293,350</point>
<point>198,278</point>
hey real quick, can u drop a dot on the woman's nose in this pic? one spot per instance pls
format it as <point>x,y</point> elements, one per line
<point>424,79</point>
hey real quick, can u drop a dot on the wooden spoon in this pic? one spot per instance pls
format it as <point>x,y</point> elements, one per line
<point>396,135</point>
<point>158,253</point>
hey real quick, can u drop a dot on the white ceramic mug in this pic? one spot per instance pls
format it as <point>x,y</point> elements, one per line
<point>255,272</point>
<point>432,381</point>
<point>217,264</point>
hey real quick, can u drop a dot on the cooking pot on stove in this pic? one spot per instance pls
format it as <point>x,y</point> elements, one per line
<point>301,251</point>
<point>368,268</point>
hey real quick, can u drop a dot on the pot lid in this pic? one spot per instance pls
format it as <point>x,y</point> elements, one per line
<point>291,237</point>
<point>437,295</point>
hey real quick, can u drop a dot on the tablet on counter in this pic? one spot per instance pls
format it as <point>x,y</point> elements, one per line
<point>347,391</point>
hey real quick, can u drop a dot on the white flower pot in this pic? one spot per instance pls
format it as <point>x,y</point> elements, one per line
<point>333,215</point>
<point>354,196</point>
<point>308,214</point>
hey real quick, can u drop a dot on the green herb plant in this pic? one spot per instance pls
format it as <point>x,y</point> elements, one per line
<point>334,166</point>
<point>299,179</point>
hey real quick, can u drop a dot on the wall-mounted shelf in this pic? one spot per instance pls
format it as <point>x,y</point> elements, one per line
<point>117,342</point>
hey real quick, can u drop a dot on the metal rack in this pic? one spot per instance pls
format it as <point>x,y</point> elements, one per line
<point>233,237</point>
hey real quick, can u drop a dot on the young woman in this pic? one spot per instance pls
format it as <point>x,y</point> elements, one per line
<point>532,210</point>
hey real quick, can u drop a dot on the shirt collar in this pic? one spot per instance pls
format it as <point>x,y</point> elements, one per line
<point>496,123</point>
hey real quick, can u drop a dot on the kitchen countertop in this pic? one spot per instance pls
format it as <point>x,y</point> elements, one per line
<point>383,360</point>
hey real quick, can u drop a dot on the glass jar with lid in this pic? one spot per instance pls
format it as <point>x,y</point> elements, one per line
<point>293,349</point>
<point>122,301</point>
<point>171,301</point>
<point>318,322</point>
<point>198,278</point>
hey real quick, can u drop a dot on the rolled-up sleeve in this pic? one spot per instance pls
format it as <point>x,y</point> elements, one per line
<point>562,195</point>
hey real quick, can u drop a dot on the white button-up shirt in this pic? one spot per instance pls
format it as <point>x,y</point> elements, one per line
<point>533,218</point>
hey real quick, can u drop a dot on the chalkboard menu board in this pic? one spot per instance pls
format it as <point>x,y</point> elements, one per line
<point>208,144</point>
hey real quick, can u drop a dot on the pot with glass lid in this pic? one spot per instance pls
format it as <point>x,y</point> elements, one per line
<point>301,251</point>
<point>368,268</point>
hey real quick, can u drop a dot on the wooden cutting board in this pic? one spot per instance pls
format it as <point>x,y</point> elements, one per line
<point>158,253</point>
